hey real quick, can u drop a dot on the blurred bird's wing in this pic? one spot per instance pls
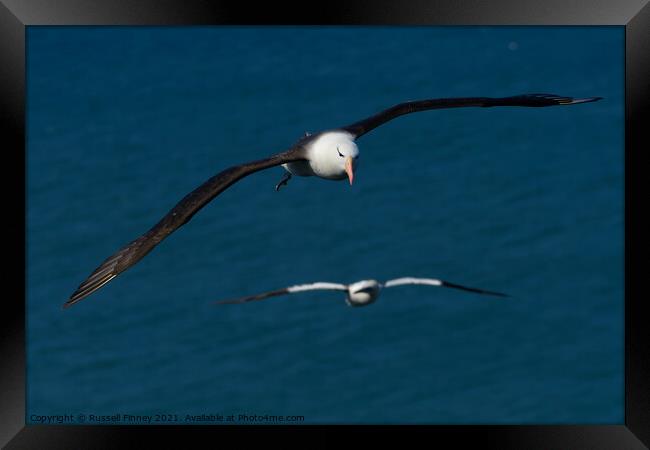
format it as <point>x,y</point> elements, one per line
<point>289,290</point>
<point>435,282</point>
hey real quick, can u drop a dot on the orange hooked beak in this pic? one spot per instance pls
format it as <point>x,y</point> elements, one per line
<point>348,169</point>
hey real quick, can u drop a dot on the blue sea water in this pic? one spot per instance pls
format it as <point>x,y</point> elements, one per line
<point>123,122</point>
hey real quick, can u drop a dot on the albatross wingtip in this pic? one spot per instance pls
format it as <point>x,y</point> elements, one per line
<point>224,302</point>
<point>470,289</point>
<point>93,283</point>
<point>74,298</point>
<point>500,294</point>
<point>585,100</point>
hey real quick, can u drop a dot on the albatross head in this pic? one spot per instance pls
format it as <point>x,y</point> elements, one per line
<point>363,292</point>
<point>348,154</point>
<point>335,156</point>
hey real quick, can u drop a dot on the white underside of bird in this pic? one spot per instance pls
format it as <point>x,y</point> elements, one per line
<point>323,162</point>
<point>363,292</point>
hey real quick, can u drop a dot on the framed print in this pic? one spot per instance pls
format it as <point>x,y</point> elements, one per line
<point>464,173</point>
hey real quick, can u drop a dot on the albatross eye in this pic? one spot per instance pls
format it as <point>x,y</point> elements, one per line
<point>340,154</point>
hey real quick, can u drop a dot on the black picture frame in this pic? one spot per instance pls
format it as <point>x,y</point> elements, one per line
<point>16,15</point>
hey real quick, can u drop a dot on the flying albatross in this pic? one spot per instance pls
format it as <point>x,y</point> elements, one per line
<point>362,292</point>
<point>330,154</point>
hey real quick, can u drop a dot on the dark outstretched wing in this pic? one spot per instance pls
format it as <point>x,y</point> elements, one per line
<point>289,290</point>
<point>535,100</point>
<point>251,298</point>
<point>436,282</point>
<point>178,216</point>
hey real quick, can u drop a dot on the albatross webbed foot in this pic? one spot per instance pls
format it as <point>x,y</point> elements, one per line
<point>285,179</point>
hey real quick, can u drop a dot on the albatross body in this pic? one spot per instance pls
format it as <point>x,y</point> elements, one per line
<point>331,155</point>
<point>360,293</point>
<point>318,152</point>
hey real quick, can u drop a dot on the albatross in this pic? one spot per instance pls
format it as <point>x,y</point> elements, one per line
<point>360,293</point>
<point>331,154</point>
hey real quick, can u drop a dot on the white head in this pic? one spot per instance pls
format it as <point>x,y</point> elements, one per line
<point>363,292</point>
<point>334,155</point>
